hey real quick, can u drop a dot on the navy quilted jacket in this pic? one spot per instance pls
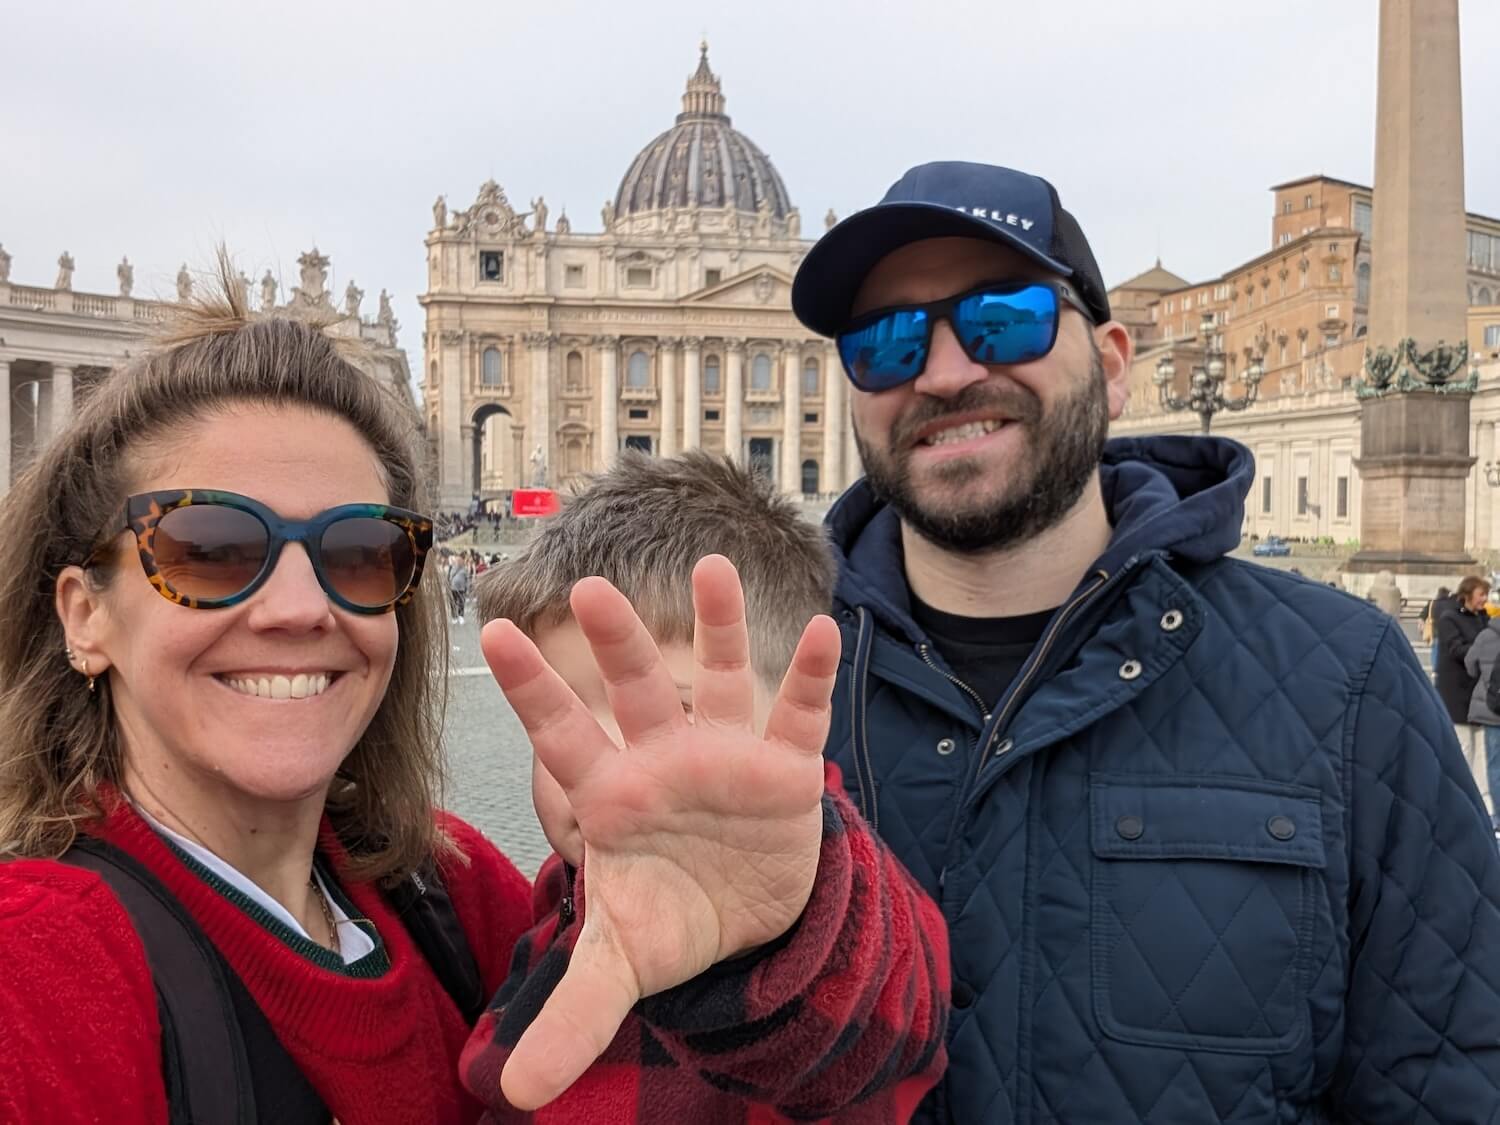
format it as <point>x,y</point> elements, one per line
<point>1215,857</point>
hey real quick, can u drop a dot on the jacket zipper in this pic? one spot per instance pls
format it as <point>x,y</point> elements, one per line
<point>984,711</point>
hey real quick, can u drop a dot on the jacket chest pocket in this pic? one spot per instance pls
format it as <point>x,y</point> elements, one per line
<point>1203,893</point>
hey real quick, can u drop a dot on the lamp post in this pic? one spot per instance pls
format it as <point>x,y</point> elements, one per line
<point>1206,385</point>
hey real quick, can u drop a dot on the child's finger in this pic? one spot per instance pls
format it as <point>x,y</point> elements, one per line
<point>800,715</point>
<point>723,680</point>
<point>573,1028</point>
<point>565,736</point>
<point>640,688</point>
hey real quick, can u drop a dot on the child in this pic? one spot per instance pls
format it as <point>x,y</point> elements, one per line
<point>841,1019</point>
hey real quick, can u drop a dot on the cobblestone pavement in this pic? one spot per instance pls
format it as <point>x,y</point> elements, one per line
<point>489,758</point>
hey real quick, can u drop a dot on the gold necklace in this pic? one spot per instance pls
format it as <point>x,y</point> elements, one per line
<point>327,907</point>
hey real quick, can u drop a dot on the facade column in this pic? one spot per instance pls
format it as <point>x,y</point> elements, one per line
<point>832,477</point>
<point>539,410</point>
<point>62,398</point>
<point>609,400</point>
<point>692,392</point>
<point>853,467</point>
<point>666,353</point>
<point>453,488</point>
<point>734,401</point>
<point>791,420</point>
<point>4,426</point>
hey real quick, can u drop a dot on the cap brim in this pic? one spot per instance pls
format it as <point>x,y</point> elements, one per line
<point>834,269</point>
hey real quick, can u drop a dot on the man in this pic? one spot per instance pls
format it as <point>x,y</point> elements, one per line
<point>1201,831</point>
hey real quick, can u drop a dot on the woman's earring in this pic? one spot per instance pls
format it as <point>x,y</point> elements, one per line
<point>91,678</point>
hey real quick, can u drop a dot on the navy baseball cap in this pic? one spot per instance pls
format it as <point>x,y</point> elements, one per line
<point>943,199</point>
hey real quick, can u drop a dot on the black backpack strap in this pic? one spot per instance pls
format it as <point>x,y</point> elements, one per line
<point>426,909</point>
<point>210,1084</point>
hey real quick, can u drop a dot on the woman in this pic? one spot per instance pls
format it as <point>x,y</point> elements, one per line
<point>1457,629</point>
<point>163,691</point>
<point>1480,662</point>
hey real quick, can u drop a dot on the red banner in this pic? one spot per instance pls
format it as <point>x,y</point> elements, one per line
<point>534,502</point>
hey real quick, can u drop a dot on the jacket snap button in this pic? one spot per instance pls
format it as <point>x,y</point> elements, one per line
<point>1130,827</point>
<point>1006,746</point>
<point>1171,621</point>
<point>1130,669</point>
<point>1281,827</point>
<point>946,746</point>
<point>963,995</point>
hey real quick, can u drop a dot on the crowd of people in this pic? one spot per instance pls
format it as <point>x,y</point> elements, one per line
<point>1007,795</point>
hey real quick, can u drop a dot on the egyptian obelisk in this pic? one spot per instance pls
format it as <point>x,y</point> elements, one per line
<point>1414,458</point>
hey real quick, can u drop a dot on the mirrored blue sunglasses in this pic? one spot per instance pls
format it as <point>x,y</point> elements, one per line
<point>995,323</point>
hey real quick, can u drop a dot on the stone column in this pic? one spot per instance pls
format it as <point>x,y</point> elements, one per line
<point>62,398</point>
<point>666,372</point>
<point>734,401</point>
<point>1415,460</point>
<point>692,392</point>
<point>453,485</point>
<point>539,410</point>
<point>832,477</point>
<point>791,420</point>
<point>609,400</point>
<point>4,426</point>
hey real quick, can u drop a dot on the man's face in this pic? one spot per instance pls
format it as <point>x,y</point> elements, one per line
<point>1035,431</point>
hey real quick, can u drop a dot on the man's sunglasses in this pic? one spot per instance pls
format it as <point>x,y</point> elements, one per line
<point>995,323</point>
<point>208,550</point>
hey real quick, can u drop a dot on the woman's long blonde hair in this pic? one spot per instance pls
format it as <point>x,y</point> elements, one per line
<point>58,742</point>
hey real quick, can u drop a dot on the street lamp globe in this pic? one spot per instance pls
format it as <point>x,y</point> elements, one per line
<point>1165,371</point>
<point>1216,369</point>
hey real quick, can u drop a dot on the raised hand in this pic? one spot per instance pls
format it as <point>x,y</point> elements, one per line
<point>701,836</point>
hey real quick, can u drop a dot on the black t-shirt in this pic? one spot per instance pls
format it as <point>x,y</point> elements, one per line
<point>984,652</point>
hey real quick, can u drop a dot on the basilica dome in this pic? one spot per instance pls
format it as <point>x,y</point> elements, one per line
<point>701,161</point>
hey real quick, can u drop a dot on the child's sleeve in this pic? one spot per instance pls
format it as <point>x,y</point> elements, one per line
<point>847,1008</point>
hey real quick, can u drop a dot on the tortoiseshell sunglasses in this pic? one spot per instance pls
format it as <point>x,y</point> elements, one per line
<point>208,550</point>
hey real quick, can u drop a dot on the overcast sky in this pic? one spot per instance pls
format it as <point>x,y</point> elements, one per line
<point>158,129</point>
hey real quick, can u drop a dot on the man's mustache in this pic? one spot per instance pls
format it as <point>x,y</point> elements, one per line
<point>1013,402</point>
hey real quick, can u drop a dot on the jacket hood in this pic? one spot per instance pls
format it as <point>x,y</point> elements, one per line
<point>1182,496</point>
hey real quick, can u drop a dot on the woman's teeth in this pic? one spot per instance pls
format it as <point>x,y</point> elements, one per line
<point>299,686</point>
<point>962,433</point>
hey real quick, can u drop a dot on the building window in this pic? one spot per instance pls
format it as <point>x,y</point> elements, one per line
<point>638,441</point>
<point>491,265</point>
<point>810,478</point>
<point>573,380</point>
<point>710,415</point>
<point>1484,296</point>
<point>1283,351</point>
<point>712,379</point>
<point>1284,239</point>
<point>1492,335</point>
<point>1330,339</point>
<point>1330,312</point>
<point>810,418</point>
<point>638,371</point>
<point>489,368</point>
<point>573,277</point>
<point>1341,498</point>
<point>1362,284</point>
<point>712,277</point>
<point>810,372</point>
<point>763,457</point>
<point>1265,496</point>
<point>1362,218</point>
<point>760,373</point>
<point>1307,202</point>
<point>1335,273</point>
<point>638,277</point>
<point>432,380</point>
<point>1302,496</point>
<point>638,414</point>
<point>1286,207</point>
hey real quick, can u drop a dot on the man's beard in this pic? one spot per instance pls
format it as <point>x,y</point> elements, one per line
<point>1063,449</point>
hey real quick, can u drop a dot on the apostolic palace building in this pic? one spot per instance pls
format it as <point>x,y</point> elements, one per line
<point>547,348</point>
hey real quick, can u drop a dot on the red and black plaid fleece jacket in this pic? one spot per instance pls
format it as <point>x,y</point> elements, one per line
<point>840,1020</point>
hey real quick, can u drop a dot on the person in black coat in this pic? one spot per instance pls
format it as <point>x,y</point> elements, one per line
<point>1456,630</point>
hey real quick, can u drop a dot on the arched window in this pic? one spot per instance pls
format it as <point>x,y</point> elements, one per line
<point>810,478</point>
<point>574,377</point>
<point>760,373</point>
<point>810,377</point>
<point>638,371</point>
<point>712,376</point>
<point>1362,283</point>
<point>490,370</point>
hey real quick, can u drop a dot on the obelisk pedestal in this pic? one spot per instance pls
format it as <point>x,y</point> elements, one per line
<point>1414,461</point>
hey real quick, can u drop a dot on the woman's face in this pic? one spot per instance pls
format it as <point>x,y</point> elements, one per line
<point>1477,597</point>
<point>173,670</point>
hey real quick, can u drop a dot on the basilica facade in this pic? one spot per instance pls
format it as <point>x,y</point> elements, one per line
<point>670,328</point>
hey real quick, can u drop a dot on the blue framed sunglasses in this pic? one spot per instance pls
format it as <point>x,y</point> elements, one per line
<point>207,550</point>
<point>995,323</point>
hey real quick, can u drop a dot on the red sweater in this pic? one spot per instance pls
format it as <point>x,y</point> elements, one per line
<point>79,1038</point>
